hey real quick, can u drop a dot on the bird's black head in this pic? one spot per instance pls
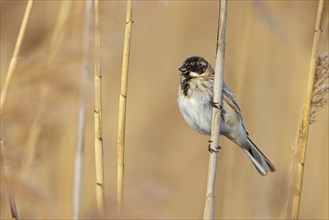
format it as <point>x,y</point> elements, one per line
<point>194,64</point>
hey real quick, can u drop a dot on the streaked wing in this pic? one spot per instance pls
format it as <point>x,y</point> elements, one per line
<point>230,99</point>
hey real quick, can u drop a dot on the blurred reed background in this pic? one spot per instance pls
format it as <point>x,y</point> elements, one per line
<point>267,62</point>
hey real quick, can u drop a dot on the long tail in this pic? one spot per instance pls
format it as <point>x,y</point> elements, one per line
<point>260,161</point>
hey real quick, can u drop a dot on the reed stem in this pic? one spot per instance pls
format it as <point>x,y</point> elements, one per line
<point>99,161</point>
<point>298,168</point>
<point>16,53</point>
<point>209,210</point>
<point>5,170</point>
<point>122,109</point>
<point>77,187</point>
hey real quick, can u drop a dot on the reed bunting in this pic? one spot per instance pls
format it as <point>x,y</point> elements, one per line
<point>195,101</point>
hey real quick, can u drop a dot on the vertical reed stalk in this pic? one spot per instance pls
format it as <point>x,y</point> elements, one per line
<point>99,162</point>
<point>16,53</point>
<point>122,109</point>
<point>209,210</point>
<point>82,115</point>
<point>12,203</point>
<point>6,173</point>
<point>298,169</point>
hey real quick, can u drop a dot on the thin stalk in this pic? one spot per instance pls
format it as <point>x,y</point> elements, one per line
<point>78,166</point>
<point>16,53</point>
<point>298,170</point>
<point>122,108</point>
<point>209,209</point>
<point>82,115</point>
<point>5,170</point>
<point>99,161</point>
<point>12,203</point>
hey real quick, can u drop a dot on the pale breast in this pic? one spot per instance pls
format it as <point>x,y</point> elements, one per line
<point>196,111</point>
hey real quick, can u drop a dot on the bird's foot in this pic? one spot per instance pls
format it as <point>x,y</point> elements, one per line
<point>212,150</point>
<point>215,104</point>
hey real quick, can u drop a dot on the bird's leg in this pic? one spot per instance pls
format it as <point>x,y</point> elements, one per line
<point>215,104</point>
<point>211,150</point>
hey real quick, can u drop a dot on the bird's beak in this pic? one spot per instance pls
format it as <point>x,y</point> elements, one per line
<point>182,69</point>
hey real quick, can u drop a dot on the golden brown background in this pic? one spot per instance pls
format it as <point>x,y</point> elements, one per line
<point>267,61</point>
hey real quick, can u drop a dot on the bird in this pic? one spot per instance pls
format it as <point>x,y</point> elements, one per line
<point>195,102</point>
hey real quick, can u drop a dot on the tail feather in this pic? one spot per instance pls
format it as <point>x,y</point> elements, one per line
<point>260,161</point>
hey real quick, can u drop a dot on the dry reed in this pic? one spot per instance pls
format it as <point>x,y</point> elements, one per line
<point>319,100</point>
<point>159,178</point>
<point>122,109</point>
<point>209,209</point>
<point>301,144</point>
<point>16,53</point>
<point>5,170</point>
<point>98,137</point>
<point>321,86</point>
<point>82,115</point>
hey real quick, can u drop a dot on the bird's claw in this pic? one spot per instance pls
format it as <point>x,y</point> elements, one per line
<point>215,104</point>
<point>212,150</point>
